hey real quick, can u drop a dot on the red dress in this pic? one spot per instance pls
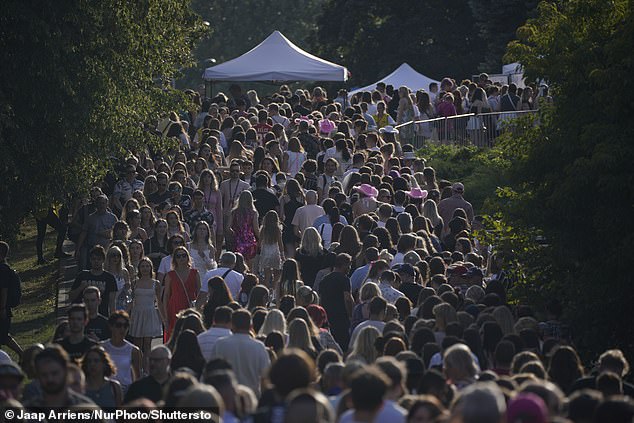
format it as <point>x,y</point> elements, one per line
<point>178,299</point>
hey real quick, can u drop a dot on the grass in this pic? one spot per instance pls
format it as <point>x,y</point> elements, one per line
<point>34,320</point>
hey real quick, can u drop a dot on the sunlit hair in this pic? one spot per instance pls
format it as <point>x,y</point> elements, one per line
<point>203,175</point>
<point>430,211</point>
<point>109,367</point>
<point>274,321</point>
<point>271,232</point>
<point>195,233</point>
<point>364,348</point>
<point>369,290</point>
<point>181,228</point>
<point>148,261</point>
<point>245,204</point>
<point>114,252</point>
<point>311,242</point>
<point>140,244</point>
<point>177,250</point>
<point>299,335</point>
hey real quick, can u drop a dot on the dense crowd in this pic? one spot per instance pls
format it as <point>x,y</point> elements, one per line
<point>292,259</point>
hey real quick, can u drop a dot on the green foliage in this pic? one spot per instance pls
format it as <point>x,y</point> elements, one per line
<point>576,184</point>
<point>436,37</point>
<point>79,81</point>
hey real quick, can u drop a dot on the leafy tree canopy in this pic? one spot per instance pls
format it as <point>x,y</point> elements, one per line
<point>79,81</point>
<point>576,179</point>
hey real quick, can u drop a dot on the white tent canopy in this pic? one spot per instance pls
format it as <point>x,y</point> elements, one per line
<point>276,59</point>
<point>403,75</point>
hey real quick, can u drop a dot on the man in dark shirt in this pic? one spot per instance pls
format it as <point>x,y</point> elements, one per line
<point>151,387</point>
<point>264,199</point>
<point>96,276</point>
<point>77,343</point>
<point>510,101</point>
<point>408,286</point>
<point>336,299</point>
<point>97,328</point>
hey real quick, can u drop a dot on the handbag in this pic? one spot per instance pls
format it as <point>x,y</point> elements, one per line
<point>192,304</point>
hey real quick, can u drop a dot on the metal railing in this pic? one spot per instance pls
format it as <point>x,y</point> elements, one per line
<point>480,130</point>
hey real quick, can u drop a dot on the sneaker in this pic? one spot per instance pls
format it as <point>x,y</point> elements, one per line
<point>63,255</point>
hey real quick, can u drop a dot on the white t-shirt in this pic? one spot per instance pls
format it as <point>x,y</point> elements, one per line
<point>233,280</point>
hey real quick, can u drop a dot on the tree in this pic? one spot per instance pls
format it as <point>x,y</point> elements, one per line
<point>79,83</point>
<point>497,21</point>
<point>575,181</point>
<point>438,38</point>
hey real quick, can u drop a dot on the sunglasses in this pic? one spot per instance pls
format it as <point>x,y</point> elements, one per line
<point>121,325</point>
<point>178,256</point>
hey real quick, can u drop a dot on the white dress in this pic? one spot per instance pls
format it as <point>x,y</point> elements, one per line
<point>144,318</point>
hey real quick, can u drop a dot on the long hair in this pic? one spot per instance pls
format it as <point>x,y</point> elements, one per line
<point>295,191</point>
<point>181,228</point>
<point>271,233</point>
<point>364,345</point>
<point>181,249</point>
<point>109,367</point>
<point>219,295</point>
<point>430,211</point>
<point>289,277</point>
<point>349,241</point>
<point>148,261</point>
<point>311,242</point>
<point>244,205</point>
<point>213,183</point>
<point>195,233</point>
<point>299,336</point>
<point>112,253</point>
<point>274,321</point>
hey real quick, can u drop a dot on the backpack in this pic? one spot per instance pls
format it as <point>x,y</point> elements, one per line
<point>14,292</point>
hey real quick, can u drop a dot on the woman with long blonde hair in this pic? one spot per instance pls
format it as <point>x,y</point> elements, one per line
<point>299,337</point>
<point>364,349</point>
<point>310,255</point>
<point>213,201</point>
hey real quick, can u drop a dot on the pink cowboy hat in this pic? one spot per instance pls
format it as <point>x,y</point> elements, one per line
<point>326,126</point>
<point>304,118</point>
<point>368,190</point>
<point>418,193</point>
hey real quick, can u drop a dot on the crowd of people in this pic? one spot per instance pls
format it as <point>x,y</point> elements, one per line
<point>292,259</point>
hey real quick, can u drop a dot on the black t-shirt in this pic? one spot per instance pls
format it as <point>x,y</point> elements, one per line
<point>98,327</point>
<point>106,284</point>
<point>77,351</point>
<point>264,201</point>
<point>411,291</point>
<point>331,291</point>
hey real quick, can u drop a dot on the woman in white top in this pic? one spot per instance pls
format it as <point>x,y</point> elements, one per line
<point>294,158</point>
<point>202,249</point>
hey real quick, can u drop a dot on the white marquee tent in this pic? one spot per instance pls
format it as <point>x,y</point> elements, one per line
<point>276,59</point>
<point>403,75</point>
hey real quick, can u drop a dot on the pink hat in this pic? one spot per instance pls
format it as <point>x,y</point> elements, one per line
<point>368,190</point>
<point>418,193</point>
<point>528,408</point>
<point>326,126</point>
<point>305,119</point>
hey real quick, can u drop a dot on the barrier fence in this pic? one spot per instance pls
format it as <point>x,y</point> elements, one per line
<point>479,130</point>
